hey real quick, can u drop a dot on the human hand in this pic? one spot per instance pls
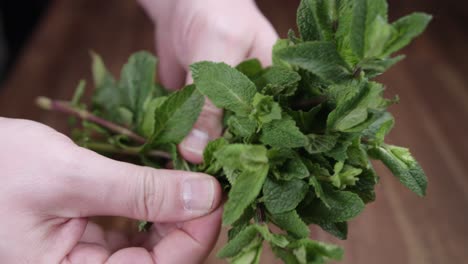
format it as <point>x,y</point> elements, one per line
<point>188,31</point>
<point>49,186</point>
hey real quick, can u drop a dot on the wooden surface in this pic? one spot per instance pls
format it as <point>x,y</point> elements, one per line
<point>432,118</point>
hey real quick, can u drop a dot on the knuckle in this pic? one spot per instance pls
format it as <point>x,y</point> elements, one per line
<point>149,195</point>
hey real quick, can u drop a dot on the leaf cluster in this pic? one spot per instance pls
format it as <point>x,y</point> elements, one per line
<point>298,135</point>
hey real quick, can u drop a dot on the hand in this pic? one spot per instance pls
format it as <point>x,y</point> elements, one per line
<point>49,186</point>
<point>188,31</point>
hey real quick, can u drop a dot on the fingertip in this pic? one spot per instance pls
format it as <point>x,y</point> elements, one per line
<point>193,145</point>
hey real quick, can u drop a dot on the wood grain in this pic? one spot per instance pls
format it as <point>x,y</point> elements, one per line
<point>432,118</point>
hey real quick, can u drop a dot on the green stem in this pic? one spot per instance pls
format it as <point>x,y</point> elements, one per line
<point>108,148</point>
<point>66,107</point>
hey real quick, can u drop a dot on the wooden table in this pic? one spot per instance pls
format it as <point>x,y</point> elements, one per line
<point>432,118</point>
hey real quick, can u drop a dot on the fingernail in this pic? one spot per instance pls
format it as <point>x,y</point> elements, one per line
<point>198,194</point>
<point>196,141</point>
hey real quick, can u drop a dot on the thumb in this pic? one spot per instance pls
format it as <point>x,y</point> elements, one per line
<point>104,187</point>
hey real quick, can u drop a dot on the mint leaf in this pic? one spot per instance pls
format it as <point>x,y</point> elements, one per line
<point>291,222</point>
<point>244,191</point>
<point>293,168</point>
<point>137,82</point>
<point>147,125</point>
<point>244,238</point>
<point>242,157</point>
<point>375,67</point>
<point>277,80</point>
<point>407,29</point>
<point>321,143</point>
<point>283,134</point>
<point>274,239</point>
<point>225,86</point>
<point>250,255</point>
<point>242,126</point>
<point>365,186</point>
<point>315,19</point>
<point>339,230</point>
<point>265,109</point>
<point>344,175</point>
<point>343,206</point>
<point>283,196</point>
<point>250,68</point>
<point>403,166</point>
<point>377,131</point>
<point>319,57</point>
<point>350,112</point>
<point>315,250</point>
<point>366,14</point>
<point>175,117</point>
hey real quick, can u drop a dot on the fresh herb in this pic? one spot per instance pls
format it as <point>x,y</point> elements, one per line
<point>299,135</point>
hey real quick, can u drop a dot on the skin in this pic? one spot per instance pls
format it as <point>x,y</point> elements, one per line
<point>49,185</point>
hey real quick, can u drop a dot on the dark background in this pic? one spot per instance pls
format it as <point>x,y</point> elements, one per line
<point>432,118</point>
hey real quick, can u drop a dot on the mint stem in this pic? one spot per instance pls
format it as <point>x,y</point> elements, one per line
<point>108,148</point>
<point>68,108</point>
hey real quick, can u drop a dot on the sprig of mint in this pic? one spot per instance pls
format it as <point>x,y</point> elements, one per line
<point>298,135</point>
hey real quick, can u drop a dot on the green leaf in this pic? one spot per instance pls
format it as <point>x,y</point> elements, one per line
<point>242,126</point>
<point>403,166</point>
<point>265,109</point>
<point>407,29</point>
<point>250,68</point>
<point>147,126</point>
<point>308,121</point>
<point>278,80</point>
<point>244,192</point>
<point>244,238</point>
<point>293,168</point>
<point>250,255</point>
<point>340,151</point>
<point>350,112</point>
<point>344,175</point>
<point>283,196</point>
<point>78,94</point>
<point>378,34</point>
<point>339,230</point>
<point>318,57</point>
<point>366,185</point>
<point>225,86</point>
<point>242,157</point>
<point>343,206</point>
<point>365,15</point>
<point>377,131</point>
<point>375,67</point>
<point>315,249</point>
<point>210,163</point>
<point>274,239</point>
<point>321,143</point>
<point>315,19</point>
<point>137,82</point>
<point>175,117</point>
<point>283,134</point>
<point>291,222</point>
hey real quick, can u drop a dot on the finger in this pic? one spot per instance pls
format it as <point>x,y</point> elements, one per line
<point>209,123</point>
<point>94,234</point>
<point>194,241</point>
<point>102,187</point>
<point>87,253</point>
<point>207,128</point>
<point>170,72</point>
<point>263,44</point>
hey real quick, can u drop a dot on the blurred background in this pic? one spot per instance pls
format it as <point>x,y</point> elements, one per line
<point>44,50</point>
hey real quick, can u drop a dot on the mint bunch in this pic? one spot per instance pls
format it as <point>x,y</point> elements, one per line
<point>298,135</point>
